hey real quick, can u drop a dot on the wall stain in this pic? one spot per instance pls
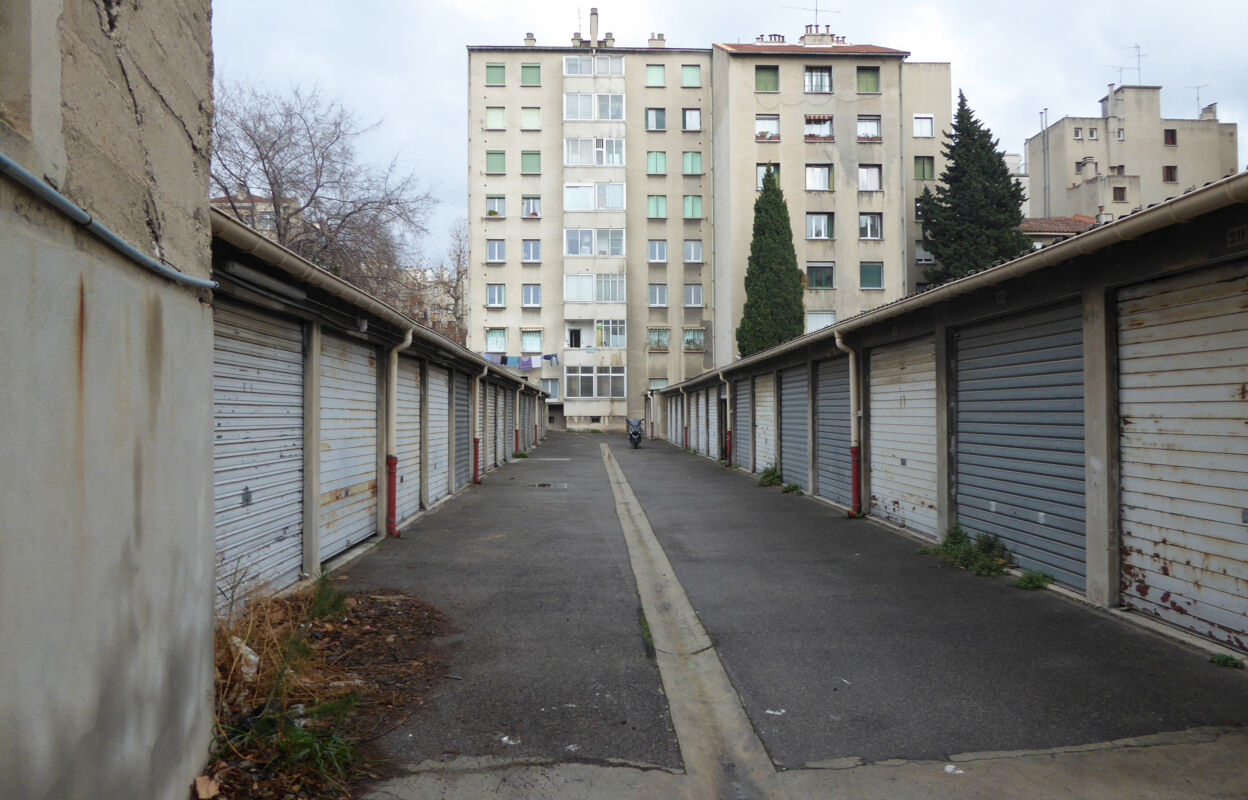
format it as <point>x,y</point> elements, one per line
<point>138,496</point>
<point>154,345</point>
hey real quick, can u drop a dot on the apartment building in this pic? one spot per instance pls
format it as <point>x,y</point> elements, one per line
<point>611,194</point>
<point>1127,158</point>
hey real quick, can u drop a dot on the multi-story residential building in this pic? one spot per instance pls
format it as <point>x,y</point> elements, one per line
<point>1127,158</point>
<point>611,194</point>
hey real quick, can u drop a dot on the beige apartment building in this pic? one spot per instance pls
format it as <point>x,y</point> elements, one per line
<point>611,194</point>
<point>1127,158</point>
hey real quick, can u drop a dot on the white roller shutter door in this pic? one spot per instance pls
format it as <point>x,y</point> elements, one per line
<point>902,443</point>
<point>439,395</point>
<point>712,422</point>
<point>764,422</point>
<point>407,446</point>
<point>348,444</point>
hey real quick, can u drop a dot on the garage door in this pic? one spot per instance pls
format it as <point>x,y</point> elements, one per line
<point>407,446</point>
<point>439,396</point>
<point>902,435</point>
<point>348,444</point>
<point>257,447</point>
<point>833,479</point>
<point>463,433</point>
<point>509,414</point>
<point>491,426</point>
<point>794,430</point>
<point>712,422</point>
<point>1183,369</point>
<point>742,425</point>
<point>1019,444</point>
<point>764,422</point>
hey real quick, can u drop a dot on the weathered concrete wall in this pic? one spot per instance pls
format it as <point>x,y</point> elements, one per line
<point>106,533</point>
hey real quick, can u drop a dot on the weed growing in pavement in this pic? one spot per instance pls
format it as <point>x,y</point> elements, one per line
<point>1033,579</point>
<point>326,600</point>
<point>770,477</point>
<point>982,555</point>
<point>519,454</point>
<point>1230,662</point>
<point>792,488</point>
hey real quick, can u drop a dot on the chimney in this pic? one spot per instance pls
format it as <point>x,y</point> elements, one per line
<point>530,40</point>
<point>593,27</point>
<point>608,40</point>
<point>657,41</point>
<point>1209,112</point>
<point>576,40</point>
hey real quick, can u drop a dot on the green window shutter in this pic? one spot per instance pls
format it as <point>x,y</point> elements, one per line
<point>530,74</point>
<point>530,162</point>
<point>495,161</point>
<point>869,80</point>
<point>656,206</point>
<point>691,75</point>
<point>691,163</point>
<point>495,74</point>
<point>766,79</point>
<point>924,167</point>
<point>871,275</point>
<point>693,206</point>
<point>654,75</point>
<point>656,162</point>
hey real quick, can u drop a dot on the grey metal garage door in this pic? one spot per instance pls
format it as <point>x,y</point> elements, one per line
<point>348,443</point>
<point>407,446</point>
<point>833,478</point>
<point>794,431</point>
<point>463,440</point>
<point>742,434</point>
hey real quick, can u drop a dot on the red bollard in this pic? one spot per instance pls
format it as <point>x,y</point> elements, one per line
<point>855,458</point>
<point>728,446</point>
<point>392,483</point>
<point>476,459</point>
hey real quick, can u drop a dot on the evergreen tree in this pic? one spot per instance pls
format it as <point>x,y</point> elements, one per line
<point>971,220</point>
<point>773,284</point>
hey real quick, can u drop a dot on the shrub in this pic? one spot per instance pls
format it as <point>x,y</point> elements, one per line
<point>770,477</point>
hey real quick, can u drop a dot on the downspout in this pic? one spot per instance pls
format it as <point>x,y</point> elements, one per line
<point>650,411</point>
<point>728,421</point>
<point>392,435</point>
<point>476,440</point>
<point>855,451</point>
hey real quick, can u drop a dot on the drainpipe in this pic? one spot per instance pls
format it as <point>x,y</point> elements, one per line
<point>476,440</point>
<point>855,451</point>
<point>728,421</point>
<point>650,411</point>
<point>392,436</point>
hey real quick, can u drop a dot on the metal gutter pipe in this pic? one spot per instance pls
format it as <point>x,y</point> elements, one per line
<point>727,422</point>
<point>855,448</point>
<point>392,445</point>
<point>60,202</point>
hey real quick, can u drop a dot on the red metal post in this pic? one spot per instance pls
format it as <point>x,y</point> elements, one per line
<point>728,446</point>
<point>517,450</point>
<point>686,437</point>
<point>652,431</point>
<point>855,470</point>
<point>392,483</point>
<point>535,434</point>
<point>476,459</point>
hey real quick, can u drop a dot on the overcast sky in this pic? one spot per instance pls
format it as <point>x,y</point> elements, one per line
<point>404,63</point>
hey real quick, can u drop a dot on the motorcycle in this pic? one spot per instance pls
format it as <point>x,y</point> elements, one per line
<point>634,431</point>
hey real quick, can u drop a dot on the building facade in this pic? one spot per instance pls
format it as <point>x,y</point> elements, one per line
<point>611,194</point>
<point>1127,158</point>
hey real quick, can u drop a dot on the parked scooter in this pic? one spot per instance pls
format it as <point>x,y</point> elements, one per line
<point>634,431</point>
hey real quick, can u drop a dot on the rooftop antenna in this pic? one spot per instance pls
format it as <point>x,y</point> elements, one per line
<point>1198,87</point>
<point>1139,56</point>
<point>1118,67</point>
<point>816,9</point>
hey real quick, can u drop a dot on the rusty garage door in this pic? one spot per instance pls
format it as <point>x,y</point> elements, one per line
<point>348,443</point>
<point>902,435</point>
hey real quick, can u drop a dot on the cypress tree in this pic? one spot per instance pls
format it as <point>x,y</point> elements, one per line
<point>773,284</point>
<point>971,220</point>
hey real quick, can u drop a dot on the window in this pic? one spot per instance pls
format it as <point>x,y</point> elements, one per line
<point>609,333</point>
<point>658,251</point>
<point>1170,137</point>
<point>693,294</point>
<point>495,295</point>
<point>818,177</point>
<point>495,205</point>
<point>609,241</point>
<point>530,162</point>
<point>578,152</point>
<point>693,251</point>
<point>495,250</point>
<point>924,168</point>
<point>1120,194</point>
<point>924,126</point>
<point>530,118</point>
<point>868,80</point>
<point>531,206</point>
<point>530,341</point>
<point>1170,174</point>
<point>691,162</point>
<point>610,287</point>
<point>610,196</point>
<point>495,74</point>
<point>496,340</point>
<point>530,74</point>
<point>693,206</point>
<point>578,288</point>
<point>1091,133</point>
<point>594,381</point>
<point>818,80</point>
<point>869,177</point>
<point>578,198</point>
<point>767,79</point>
<point>610,106</point>
<point>819,127</point>
<point>609,152</point>
<point>597,152</point>
<point>578,242</point>
<point>589,241</point>
<point>495,118</point>
<point>760,171</point>
<point>922,255</point>
<point>695,339</point>
<point>1078,133</point>
<point>1078,167</point>
<point>871,275</point>
<point>767,127</point>
<point>820,275</point>
<point>656,206</point>
<point>868,128</point>
<point>656,162</point>
<point>531,250</point>
<point>531,295</point>
<point>656,75</point>
<point>656,338</point>
<point>656,119</point>
<point>574,338</point>
<point>578,106</point>
<point>658,295</point>
<point>551,385</point>
<point>819,225</point>
<point>578,65</point>
<point>818,320</point>
<point>691,119</point>
<point>1122,134</point>
<point>495,162</point>
<point>1118,169</point>
<point>690,75</point>
<point>657,383</point>
<point>609,65</point>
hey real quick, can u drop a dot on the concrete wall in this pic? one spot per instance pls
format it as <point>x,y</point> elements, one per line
<point>106,578</point>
